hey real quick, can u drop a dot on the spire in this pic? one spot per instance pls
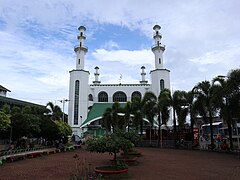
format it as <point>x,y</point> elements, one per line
<point>80,49</point>
<point>143,74</point>
<point>96,74</point>
<point>158,48</point>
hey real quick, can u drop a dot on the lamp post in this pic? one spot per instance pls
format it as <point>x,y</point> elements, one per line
<point>63,102</point>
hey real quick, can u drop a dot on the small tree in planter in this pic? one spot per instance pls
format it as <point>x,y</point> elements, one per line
<point>112,144</point>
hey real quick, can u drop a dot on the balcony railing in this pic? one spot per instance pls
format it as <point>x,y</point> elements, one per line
<point>84,48</point>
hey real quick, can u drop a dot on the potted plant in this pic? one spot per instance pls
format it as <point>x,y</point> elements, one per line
<point>112,144</point>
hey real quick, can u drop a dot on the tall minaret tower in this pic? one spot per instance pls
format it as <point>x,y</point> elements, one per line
<point>80,50</point>
<point>158,48</point>
<point>78,91</point>
<point>160,77</point>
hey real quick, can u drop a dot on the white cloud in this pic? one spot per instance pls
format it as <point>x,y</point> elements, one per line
<point>132,58</point>
<point>111,45</point>
<point>37,38</point>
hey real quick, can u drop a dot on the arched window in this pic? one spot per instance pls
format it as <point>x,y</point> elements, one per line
<point>90,97</point>
<point>79,61</point>
<point>76,102</point>
<point>159,60</point>
<point>102,97</point>
<point>136,94</point>
<point>162,84</point>
<point>119,97</point>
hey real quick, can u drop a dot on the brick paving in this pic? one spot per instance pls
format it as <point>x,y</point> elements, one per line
<point>154,164</point>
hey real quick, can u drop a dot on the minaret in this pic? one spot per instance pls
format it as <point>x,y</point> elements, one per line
<point>80,50</point>
<point>78,91</point>
<point>158,48</point>
<point>160,77</point>
<point>143,74</point>
<point>96,74</point>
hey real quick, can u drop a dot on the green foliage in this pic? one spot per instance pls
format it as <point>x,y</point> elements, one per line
<point>64,128</point>
<point>111,143</point>
<point>4,121</point>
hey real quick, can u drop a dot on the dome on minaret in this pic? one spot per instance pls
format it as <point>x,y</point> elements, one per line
<point>156,27</point>
<point>82,28</point>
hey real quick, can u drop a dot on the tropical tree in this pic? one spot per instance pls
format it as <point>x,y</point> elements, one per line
<point>164,103</point>
<point>227,91</point>
<point>191,111</point>
<point>116,120</point>
<point>63,128</point>
<point>111,120</point>
<point>150,108</point>
<point>127,115</point>
<point>4,121</point>
<point>205,97</point>
<point>136,107</point>
<point>107,119</point>
<point>55,111</point>
<point>179,104</point>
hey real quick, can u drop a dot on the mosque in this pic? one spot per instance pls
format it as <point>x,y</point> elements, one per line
<point>88,101</point>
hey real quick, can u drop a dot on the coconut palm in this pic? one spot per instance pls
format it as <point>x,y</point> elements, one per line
<point>106,121</point>
<point>150,108</point>
<point>164,103</point>
<point>205,96</point>
<point>179,104</point>
<point>228,99</point>
<point>136,107</point>
<point>127,111</point>
<point>55,111</point>
<point>191,111</point>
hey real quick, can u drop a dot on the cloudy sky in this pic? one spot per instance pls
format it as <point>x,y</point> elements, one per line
<point>37,38</point>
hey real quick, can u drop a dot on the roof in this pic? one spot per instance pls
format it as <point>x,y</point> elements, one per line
<point>17,102</point>
<point>4,89</point>
<point>97,112</point>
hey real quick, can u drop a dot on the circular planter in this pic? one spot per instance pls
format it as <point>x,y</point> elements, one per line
<point>105,170</point>
<point>135,153</point>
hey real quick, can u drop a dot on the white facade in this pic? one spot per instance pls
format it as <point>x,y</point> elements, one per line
<point>82,94</point>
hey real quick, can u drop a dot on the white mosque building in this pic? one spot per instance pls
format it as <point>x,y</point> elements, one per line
<point>88,101</point>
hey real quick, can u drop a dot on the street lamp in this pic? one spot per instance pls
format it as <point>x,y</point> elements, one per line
<point>63,102</point>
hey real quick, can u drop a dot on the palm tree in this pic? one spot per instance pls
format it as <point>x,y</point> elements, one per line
<point>107,120</point>
<point>127,111</point>
<point>228,99</point>
<point>179,108</point>
<point>136,107</point>
<point>192,111</point>
<point>55,111</point>
<point>204,94</point>
<point>164,103</point>
<point>150,108</point>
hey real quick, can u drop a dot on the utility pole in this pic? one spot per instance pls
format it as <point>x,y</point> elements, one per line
<point>63,102</point>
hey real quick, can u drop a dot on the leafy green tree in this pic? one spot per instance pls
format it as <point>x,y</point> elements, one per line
<point>63,128</point>
<point>112,144</point>
<point>4,121</point>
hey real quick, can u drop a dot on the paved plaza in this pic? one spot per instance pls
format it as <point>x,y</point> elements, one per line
<point>154,164</point>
